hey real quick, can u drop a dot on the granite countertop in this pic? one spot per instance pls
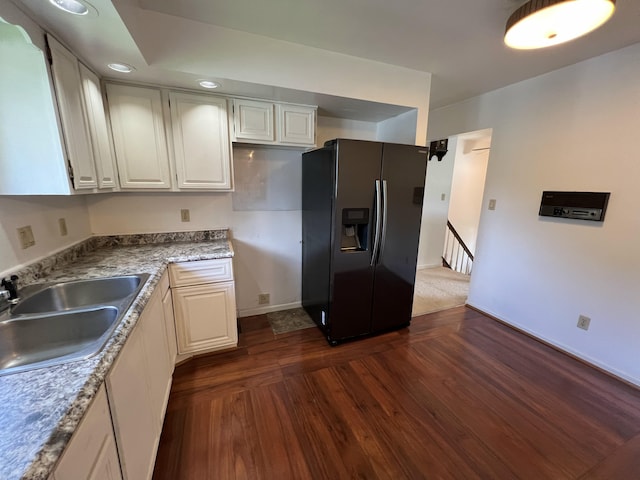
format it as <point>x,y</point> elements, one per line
<point>41,408</point>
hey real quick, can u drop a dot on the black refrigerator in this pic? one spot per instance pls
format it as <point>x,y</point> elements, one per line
<point>361,213</point>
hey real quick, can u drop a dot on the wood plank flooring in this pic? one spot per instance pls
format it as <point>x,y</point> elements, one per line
<point>454,396</point>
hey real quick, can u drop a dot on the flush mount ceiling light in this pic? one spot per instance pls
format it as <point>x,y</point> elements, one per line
<point>121,67</point>
<point>543,23</point>
<point>71,6</point>
<point>208,84</point>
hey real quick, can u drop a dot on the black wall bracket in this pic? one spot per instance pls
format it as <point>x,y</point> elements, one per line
<point>438,148</point>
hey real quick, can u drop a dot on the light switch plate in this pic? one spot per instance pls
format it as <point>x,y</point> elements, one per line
<point>62,224</point>
<point>25,234</point>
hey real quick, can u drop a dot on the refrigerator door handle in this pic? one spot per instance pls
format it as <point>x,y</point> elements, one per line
<point>376,238</point>
<point>384,218</point>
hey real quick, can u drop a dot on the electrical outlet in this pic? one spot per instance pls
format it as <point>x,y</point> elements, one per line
<point>583,322</point>
<point>185,216</point>
<point>264,299</point>
<point>62,224</point>
<point>442,197</point>
<point>26,237</point>
<point>492,204</point>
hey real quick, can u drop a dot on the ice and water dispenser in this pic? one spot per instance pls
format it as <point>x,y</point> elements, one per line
<point>355,229</point>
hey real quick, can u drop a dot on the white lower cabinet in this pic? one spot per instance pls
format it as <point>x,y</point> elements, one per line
<point>138,386</point>
<point>204,304</point>
<point>118,437</point>
<point>91,454</point>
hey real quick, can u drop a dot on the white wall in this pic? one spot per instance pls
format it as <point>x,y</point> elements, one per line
<point>399,129</point>
<point>42,213</point>
<point>572,129</point>
<point>329,128</point>
<point>435,208</point>
<point>467,186</point>
<point>266,243</point>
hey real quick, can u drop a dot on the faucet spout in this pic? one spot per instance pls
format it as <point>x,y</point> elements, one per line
<point>11,286</point>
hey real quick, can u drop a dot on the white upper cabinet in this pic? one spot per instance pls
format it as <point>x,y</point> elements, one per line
<point>32,160</point>
<point>97,122</point>
<point>139,137</point>
<point>201,141</point>
<point>296,124</point>
<point>68,87</point>
<point>273,123</point>
<point>253,121</point>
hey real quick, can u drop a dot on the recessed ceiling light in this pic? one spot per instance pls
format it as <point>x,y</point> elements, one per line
<point>71,6</point>
<point>208,84</point>
<point>121,67</point>
<point>543,23</point>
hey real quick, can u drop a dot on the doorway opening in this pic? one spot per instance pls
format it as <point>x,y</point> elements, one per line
<point>454,192</point>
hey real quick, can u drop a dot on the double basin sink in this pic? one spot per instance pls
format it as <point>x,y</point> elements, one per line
<point>62,322</point>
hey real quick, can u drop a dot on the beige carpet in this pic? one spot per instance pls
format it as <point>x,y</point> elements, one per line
<point>439,288</point>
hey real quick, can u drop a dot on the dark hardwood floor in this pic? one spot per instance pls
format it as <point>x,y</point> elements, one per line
<point>456,395</point>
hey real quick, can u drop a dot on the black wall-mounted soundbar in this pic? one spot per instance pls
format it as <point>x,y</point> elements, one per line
<point>577,205</point>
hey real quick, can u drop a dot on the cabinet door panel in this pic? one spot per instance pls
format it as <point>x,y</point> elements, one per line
<point>205,316</point>
<point>97,123</point>
<point>138,135</point>
<point>296,125</point>
<point>201,141</point>
<point>170,325</point>
<point>68,89</point>
<point>91,453</point>
<point>156,350</point>
<point>254,121</point>
<point>135,428</point>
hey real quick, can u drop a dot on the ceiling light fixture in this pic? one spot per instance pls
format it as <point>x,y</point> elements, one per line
<point>208,84</point>
<point>71,6</point>
<point>544,23</point>
<point>121,67</point>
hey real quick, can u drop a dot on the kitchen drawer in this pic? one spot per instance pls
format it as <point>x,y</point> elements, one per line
<point>200,272</point>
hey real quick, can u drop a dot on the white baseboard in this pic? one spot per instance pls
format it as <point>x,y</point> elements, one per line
<point>429,265</point>
<point>247,312</point>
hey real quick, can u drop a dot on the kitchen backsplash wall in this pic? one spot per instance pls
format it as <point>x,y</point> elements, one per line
<point>42,214</point>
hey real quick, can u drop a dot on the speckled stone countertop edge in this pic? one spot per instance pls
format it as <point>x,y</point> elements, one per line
<point>52,446</point>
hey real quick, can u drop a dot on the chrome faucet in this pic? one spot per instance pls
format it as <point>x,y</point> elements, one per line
<point>11,286</point>
<point>9,296</point>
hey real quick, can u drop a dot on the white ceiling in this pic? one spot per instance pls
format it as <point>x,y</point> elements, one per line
<point>458,41</point>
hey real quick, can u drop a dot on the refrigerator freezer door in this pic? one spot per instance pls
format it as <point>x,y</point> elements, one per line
<point>317,204</point>
<point>403,172</point>
<point>358,167</point>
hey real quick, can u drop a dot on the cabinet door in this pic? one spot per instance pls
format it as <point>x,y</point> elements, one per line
<point>296,124</point>
<point>68,87</point>
<point>97,122</point>
<point>253,121</point>
<point>136,430</point>
<point>201,141</point>
<point>170,324</point>
<point>159,369</point>
<point>91,453</point>
<point>205,317</point>
<point>138,136</point>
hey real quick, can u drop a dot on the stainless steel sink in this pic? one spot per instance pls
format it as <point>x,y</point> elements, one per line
<point>66,321</point>
<point>80,293</point>
<point>54,338</point>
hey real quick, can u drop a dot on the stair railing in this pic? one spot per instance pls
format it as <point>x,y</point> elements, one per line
<point>456,255</point>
